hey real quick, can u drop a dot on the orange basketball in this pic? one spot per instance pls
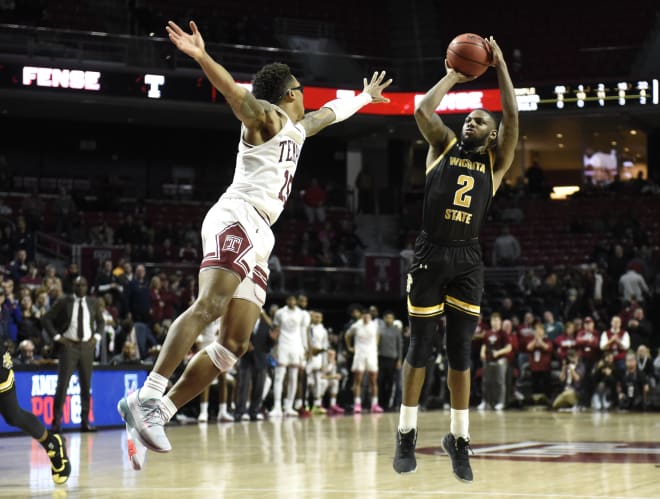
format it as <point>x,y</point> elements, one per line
<point>469,54</point>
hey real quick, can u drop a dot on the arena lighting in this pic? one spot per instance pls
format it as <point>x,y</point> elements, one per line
<point>173,86</point>
<point>563,191</point>
<point>62,78</point>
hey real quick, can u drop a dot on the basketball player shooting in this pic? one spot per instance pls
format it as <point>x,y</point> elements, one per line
<point>446,275</point>
<point>236,232</point>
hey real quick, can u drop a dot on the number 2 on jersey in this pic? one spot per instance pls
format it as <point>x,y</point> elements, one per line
<point>461,197</point>
<point>286,187</point>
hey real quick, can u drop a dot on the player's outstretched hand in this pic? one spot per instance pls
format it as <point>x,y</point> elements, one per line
<point>376,86</point>
<point>189,44</point>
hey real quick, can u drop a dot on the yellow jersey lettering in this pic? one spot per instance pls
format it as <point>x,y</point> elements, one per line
<point>458,216</point>
<point>466,163</point>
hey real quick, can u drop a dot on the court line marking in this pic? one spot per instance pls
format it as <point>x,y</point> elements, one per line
<point>388,492</point>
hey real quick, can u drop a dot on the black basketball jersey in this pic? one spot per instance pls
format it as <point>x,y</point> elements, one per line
<point>457,195</point>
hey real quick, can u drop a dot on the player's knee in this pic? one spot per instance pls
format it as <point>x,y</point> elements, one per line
<point>421,341</point>
<point>460,329</point>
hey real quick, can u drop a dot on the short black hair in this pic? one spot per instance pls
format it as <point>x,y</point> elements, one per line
<point>271,82</point>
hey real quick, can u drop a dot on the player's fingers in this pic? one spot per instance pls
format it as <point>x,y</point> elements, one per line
<point>374,77</point>
<point>175,27</point>
<point>193,27</point>
<point>387,83</point>
<point>381,76</point>
<point>366,83</point>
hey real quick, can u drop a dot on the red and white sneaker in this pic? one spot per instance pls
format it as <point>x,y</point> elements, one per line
<point>335,409</point>
<point>376,409</point>
<point>357,408</point>
<point>137,452</point>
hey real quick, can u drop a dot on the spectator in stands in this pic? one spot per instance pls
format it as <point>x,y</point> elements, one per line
<point>529,282</point>
<point>32,280</point>
<point>506,249</point>
<point>640,329</point>
<point>23,238</point>
<point>165,252</point>
<point>30,326</point>
<point>102,234</point>
<point>553,328</point>
<point>10,312</point>
<point>111,325</point>
<point>26,354</point>
<point>645,364</point>
<point>41,304</point>
<point>314,200</point>
<point>107,282</point>
<point>188,253</point>
<point>512,362</point>
<point>70,276</point>
<point>633,388</point>
<point>128,355</point>
<point>604,381</point>
<point>129,231</point>
<point>139,296</point>
<point>566,341</point>
<point>6,252</point>
<point>571,376</point>
<point>157,310</point>
<point>539,349</point>
<point>617,341</point>
<point>18,267</point>
<point>494,352</point>
<point>633,285</point>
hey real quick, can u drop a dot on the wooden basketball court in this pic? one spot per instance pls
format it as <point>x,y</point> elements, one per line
<point>528,454</point>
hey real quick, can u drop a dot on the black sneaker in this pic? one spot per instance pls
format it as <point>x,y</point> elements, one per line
<point>457,450</point>
<point>404,457</point>
<point>60,468</point>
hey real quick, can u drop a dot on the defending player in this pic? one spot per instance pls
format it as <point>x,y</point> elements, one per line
<point>14,415</point>
<point>236,232</point>
<point>446,275</point>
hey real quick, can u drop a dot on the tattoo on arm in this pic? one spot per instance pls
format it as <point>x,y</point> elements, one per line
<point>316,121</point>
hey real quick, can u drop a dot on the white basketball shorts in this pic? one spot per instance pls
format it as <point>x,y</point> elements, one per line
<point>365,361</point>
<point>237,238</point>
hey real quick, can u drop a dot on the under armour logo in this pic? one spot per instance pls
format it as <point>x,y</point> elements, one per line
<point>232,243</point>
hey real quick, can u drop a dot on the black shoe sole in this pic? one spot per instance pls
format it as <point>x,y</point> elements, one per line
<point>462,480</point>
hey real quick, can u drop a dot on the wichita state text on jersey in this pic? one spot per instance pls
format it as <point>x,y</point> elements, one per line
<point>459,189</point>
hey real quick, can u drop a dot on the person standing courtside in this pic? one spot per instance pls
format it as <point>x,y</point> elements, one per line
<point>462,177</point>
<point>75,323</point>
<point>236,232</point>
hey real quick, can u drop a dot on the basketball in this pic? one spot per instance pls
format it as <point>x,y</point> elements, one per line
<point>469,54</point>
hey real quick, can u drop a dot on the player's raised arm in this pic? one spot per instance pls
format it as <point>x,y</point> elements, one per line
<point>507,136</point>
<point>250,110</point>
<point>340,109</point>
<point>436,133</point>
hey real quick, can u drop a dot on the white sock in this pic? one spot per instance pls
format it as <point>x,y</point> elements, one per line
<point>459,423</point>
<point>154,386</point>
<point>374,401</point>
<point>168,408</point>
<point>223,408</point>
<point>333,401</point>
<point>357,401</point>
<point>407,418</point>
<point>203,407</point>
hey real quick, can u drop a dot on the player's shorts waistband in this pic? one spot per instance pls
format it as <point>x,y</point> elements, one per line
<point>262,215</point>
<point>452,243</point>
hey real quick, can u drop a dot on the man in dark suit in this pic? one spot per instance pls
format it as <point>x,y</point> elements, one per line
<point>253,366</point>
<point>75,323</point>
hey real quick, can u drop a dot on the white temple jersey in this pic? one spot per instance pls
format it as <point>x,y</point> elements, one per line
<point>291,323</point>
<point>365,336</point>
<point>264,173</point>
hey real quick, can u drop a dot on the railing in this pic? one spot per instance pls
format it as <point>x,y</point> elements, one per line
<point>54,247</point>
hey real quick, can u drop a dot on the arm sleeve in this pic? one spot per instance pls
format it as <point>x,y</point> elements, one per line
<point>346,107</point>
